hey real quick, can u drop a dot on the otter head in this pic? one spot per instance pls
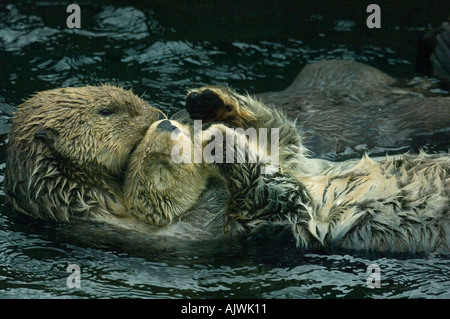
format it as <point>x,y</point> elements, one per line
<point>167,174</point>
<point>68,148</point>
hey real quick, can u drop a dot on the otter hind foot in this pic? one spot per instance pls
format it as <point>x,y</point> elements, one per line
<point>211,104</point>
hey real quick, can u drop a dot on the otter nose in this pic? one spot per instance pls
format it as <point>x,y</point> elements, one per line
<point>166,126</point>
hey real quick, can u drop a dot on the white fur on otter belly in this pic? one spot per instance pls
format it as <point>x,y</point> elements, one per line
<point>398,204</point>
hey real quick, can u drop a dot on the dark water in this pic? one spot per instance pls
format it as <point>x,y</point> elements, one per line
<point>160,49</point>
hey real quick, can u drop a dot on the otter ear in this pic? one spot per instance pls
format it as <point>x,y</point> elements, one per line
<point>46,135</point>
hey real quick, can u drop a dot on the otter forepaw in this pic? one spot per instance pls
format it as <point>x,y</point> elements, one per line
<point>211,104</point>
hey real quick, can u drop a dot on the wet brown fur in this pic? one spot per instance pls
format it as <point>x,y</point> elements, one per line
<point>343,105</point>
<point>398,204</point>
<point>66,160</point>
<point>157,190</point>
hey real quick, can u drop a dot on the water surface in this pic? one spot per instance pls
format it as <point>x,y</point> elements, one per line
<point>161,49</point>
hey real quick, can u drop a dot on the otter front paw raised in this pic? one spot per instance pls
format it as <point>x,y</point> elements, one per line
<point>211,104</point>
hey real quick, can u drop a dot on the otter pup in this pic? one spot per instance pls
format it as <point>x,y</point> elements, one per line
<point>182,197</point>
<point>68,149</point>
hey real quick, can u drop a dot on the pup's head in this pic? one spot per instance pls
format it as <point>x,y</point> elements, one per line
<point>167,174</point>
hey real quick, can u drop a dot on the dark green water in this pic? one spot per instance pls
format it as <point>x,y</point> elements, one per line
<point>161,49</point>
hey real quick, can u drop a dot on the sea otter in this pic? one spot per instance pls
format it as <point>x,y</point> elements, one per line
<point>347,107</point>
<point>54,174</point>
<point>182,198</point>
<point>68,149</point>
<point>398,204</point>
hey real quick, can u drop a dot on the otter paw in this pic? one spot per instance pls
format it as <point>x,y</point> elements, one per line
<point>211,104</point>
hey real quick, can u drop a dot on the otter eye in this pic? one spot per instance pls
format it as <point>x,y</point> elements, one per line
<point>105,112</point>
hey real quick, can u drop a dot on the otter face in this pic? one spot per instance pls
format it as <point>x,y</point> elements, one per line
<point>159,186</point>
<point>92,127</point>
<point>156,158</point>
